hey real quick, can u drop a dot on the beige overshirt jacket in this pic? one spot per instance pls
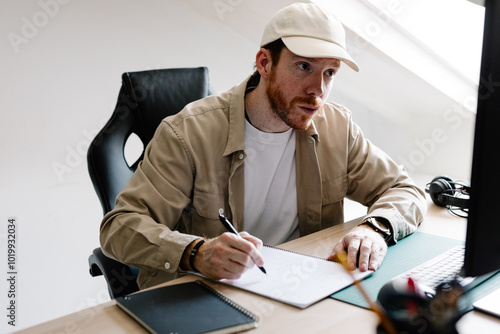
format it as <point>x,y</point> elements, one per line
<point>193,168</point>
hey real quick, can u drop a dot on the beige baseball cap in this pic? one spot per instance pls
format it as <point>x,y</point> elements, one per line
<point>309,30</point>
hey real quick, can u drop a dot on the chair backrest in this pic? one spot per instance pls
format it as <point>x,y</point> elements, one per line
<point>145,98</point>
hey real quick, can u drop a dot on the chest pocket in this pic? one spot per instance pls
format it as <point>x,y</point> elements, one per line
<point>332,209</point>
<point>207,205</point>
<point>334,190</point>
<point>205,213</point>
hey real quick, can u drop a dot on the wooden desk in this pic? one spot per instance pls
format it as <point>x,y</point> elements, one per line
<point>274,317</point>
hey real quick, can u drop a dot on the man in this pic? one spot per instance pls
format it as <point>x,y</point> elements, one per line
<point>272,156</point>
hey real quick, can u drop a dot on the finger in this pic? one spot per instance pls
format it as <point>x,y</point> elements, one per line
<point>243,259</point>
<point>254,240</point>
<point>217,258</point>
<point>337,249</point>
<point>244,252</point>
<point>252,248</point>
<point>232,269</point>
<point>377,256</point>
<point>365,253</point>
<point>352,253</point>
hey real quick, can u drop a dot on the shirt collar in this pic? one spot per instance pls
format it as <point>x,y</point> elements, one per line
<point>236,135</point>
<point>311,131</point>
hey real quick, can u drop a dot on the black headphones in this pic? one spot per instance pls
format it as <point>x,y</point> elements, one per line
<point>445,192</point>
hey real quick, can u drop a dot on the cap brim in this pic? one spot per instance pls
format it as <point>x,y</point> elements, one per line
<point>318,48</point>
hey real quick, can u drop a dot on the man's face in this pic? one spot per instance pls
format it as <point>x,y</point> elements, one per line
<point>298,87</point>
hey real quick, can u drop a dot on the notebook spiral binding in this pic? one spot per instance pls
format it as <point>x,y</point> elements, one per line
<point>227,300</point>
<point>290,251</point>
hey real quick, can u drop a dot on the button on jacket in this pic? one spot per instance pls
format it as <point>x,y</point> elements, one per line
<point>193,169</point>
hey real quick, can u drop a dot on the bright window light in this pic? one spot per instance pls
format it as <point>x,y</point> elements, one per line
<point>451,28</point>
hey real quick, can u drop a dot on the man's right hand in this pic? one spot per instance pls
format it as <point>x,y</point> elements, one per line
<point>229,256</point>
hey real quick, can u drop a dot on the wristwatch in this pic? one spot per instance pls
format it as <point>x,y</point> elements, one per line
<point>378,227</point>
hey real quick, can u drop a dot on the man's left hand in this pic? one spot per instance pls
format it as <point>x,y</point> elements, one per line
<point>365,248</point>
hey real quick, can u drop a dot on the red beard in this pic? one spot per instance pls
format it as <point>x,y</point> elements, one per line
<point>290,113</point>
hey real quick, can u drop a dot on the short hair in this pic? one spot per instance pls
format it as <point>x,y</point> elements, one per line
<point>275,49</point>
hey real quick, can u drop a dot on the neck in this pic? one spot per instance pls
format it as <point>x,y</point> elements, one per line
<point>260,113</point>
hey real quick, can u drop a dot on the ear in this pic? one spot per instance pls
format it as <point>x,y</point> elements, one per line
<point>263,62</point>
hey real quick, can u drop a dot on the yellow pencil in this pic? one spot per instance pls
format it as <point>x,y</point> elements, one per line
<point>384,320</point>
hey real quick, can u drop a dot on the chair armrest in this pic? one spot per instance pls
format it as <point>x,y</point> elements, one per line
<point>121,278</point>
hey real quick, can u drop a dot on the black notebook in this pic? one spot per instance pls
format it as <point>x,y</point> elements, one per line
<point>192,307</point>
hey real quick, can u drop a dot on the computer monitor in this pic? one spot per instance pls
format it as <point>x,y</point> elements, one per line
<point>482,253</point>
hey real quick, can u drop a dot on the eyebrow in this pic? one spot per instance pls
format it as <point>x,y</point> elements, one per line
<point>315,59</point>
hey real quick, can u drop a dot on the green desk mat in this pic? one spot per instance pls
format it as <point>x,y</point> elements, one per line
<point>406,254</point>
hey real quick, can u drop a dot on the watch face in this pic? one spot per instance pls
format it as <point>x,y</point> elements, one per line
<point>383,228</point>
<point>380,226</point>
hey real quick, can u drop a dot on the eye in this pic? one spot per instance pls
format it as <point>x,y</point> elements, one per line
<point>304,66</point>
<point>330,73</point>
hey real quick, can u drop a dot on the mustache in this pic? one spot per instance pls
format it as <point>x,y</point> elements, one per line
<point>309,100</point>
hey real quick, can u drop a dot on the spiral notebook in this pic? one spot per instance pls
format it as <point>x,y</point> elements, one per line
<point>296,279</point>
<point>186,308</point>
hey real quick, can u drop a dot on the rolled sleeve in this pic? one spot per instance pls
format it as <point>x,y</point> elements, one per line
<point>143,230</point>
<point>377,182</point>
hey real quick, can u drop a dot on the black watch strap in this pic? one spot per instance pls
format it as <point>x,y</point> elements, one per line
<point>380,228</point>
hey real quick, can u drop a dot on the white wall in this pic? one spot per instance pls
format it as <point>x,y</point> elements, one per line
<point>61,67</point>
<point>413,99</point>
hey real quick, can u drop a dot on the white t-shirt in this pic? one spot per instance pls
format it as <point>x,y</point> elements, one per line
<point>270,185</point>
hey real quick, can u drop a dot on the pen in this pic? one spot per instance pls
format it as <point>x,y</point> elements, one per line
<point>227,224</point>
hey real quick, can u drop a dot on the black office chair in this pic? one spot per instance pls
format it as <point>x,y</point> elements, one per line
<point>145,98</point>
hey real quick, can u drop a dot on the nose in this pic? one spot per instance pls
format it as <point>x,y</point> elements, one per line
<point>316,86</point>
